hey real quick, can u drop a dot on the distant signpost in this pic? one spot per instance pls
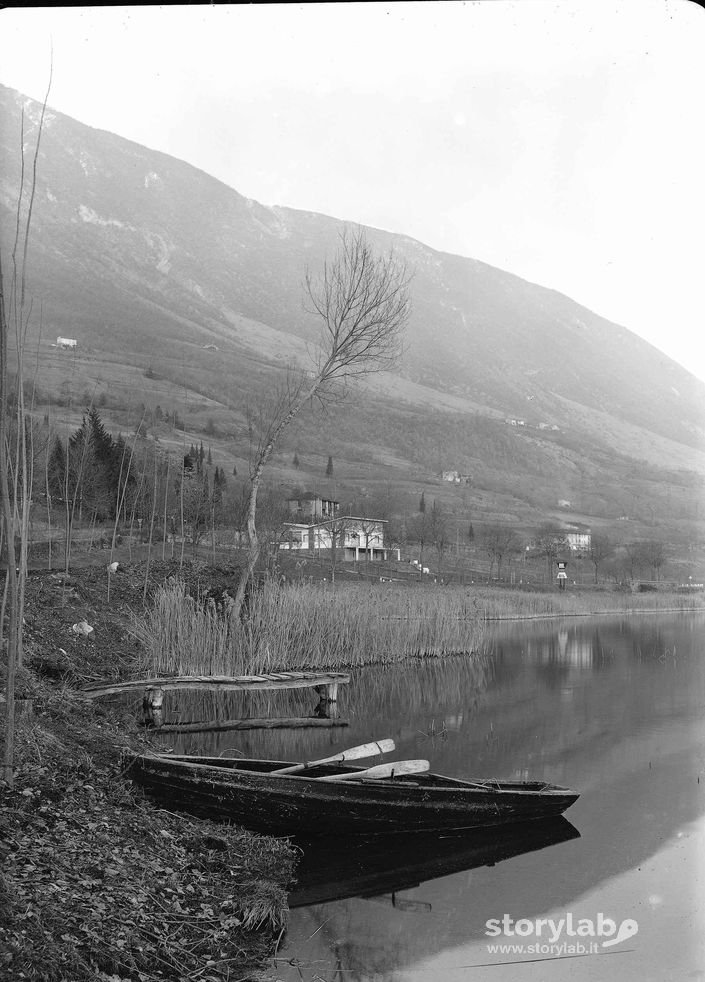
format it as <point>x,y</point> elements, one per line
<point>562,576</point>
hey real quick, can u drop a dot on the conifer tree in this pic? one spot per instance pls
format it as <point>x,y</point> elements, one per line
<point>57,469</point>
<point>96,463</point>
<point>218,486</point>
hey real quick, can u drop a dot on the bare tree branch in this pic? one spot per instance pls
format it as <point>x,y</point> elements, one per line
<point>363,302</point>
<point>13,311</point>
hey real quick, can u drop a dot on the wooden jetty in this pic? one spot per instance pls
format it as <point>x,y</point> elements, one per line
<point>152,689</point>
<point>224,683</point>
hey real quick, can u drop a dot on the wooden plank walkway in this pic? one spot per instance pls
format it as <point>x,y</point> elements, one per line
<point>220,683</point>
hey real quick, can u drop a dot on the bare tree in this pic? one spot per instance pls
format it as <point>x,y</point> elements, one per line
<point>363,302</point>
<point>11,592</point>
<point>439,533</point>
<point>396,532</point>
<point>499,541</point>
<point>655,556</point>
<point>631,559</point>
<point>600,548</point>
<point>272,514</point>
<point>419,530</point>
<point>15,312</point>
<point>550,541</point>
<point>338,528</point>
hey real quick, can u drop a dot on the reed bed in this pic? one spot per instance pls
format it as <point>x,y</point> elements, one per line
<point>334,626</point>
<point>182,635</point>
<point>492,605</point>
<point>305,626</point>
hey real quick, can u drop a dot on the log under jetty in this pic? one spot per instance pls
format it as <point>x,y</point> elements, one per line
<point>277,723</point>
<point>325,685</point>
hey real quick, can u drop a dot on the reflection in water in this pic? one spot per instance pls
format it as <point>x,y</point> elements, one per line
<point>614,709</point>
<point>386,874</point>
<point>611,708</point>
<point>366,702</point>
<point>575,651</point>
<point>372,865</point>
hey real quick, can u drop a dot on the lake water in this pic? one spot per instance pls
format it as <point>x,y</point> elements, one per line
<point>613,708</point>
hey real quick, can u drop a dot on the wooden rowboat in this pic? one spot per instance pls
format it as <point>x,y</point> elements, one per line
<point>248,793</point>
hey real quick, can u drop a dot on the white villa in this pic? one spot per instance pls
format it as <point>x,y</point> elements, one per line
<point>578,538</point>
<point>355,537</point>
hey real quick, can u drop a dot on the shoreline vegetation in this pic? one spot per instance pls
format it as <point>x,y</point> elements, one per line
<point>325,626</point>
<point>506,605</point>
<point>97,883</point>
<point>302,626</point>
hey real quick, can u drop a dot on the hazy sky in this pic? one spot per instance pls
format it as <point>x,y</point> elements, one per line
<point>561,141</point>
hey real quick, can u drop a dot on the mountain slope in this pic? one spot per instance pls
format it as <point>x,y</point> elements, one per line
<point>144,258</point>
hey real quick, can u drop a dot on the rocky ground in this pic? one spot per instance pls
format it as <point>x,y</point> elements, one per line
<point>95,882</point>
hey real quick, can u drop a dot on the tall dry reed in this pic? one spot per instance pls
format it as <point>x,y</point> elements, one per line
<point>344,625</point>
<point>304,626</point>
<point>182,635</point>
<point>519,604</point>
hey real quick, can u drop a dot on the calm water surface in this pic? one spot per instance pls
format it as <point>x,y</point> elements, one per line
<point>611,708</point>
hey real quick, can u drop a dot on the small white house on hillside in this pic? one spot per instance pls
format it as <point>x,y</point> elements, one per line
<point>455,477</point>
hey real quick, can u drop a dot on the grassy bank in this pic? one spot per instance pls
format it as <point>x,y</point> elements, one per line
<point>95,882</point>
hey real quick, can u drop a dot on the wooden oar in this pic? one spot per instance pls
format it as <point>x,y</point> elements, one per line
<point>354,753</point>
<point>380,771</point>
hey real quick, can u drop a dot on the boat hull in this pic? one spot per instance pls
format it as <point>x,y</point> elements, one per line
<point>301,805</point>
